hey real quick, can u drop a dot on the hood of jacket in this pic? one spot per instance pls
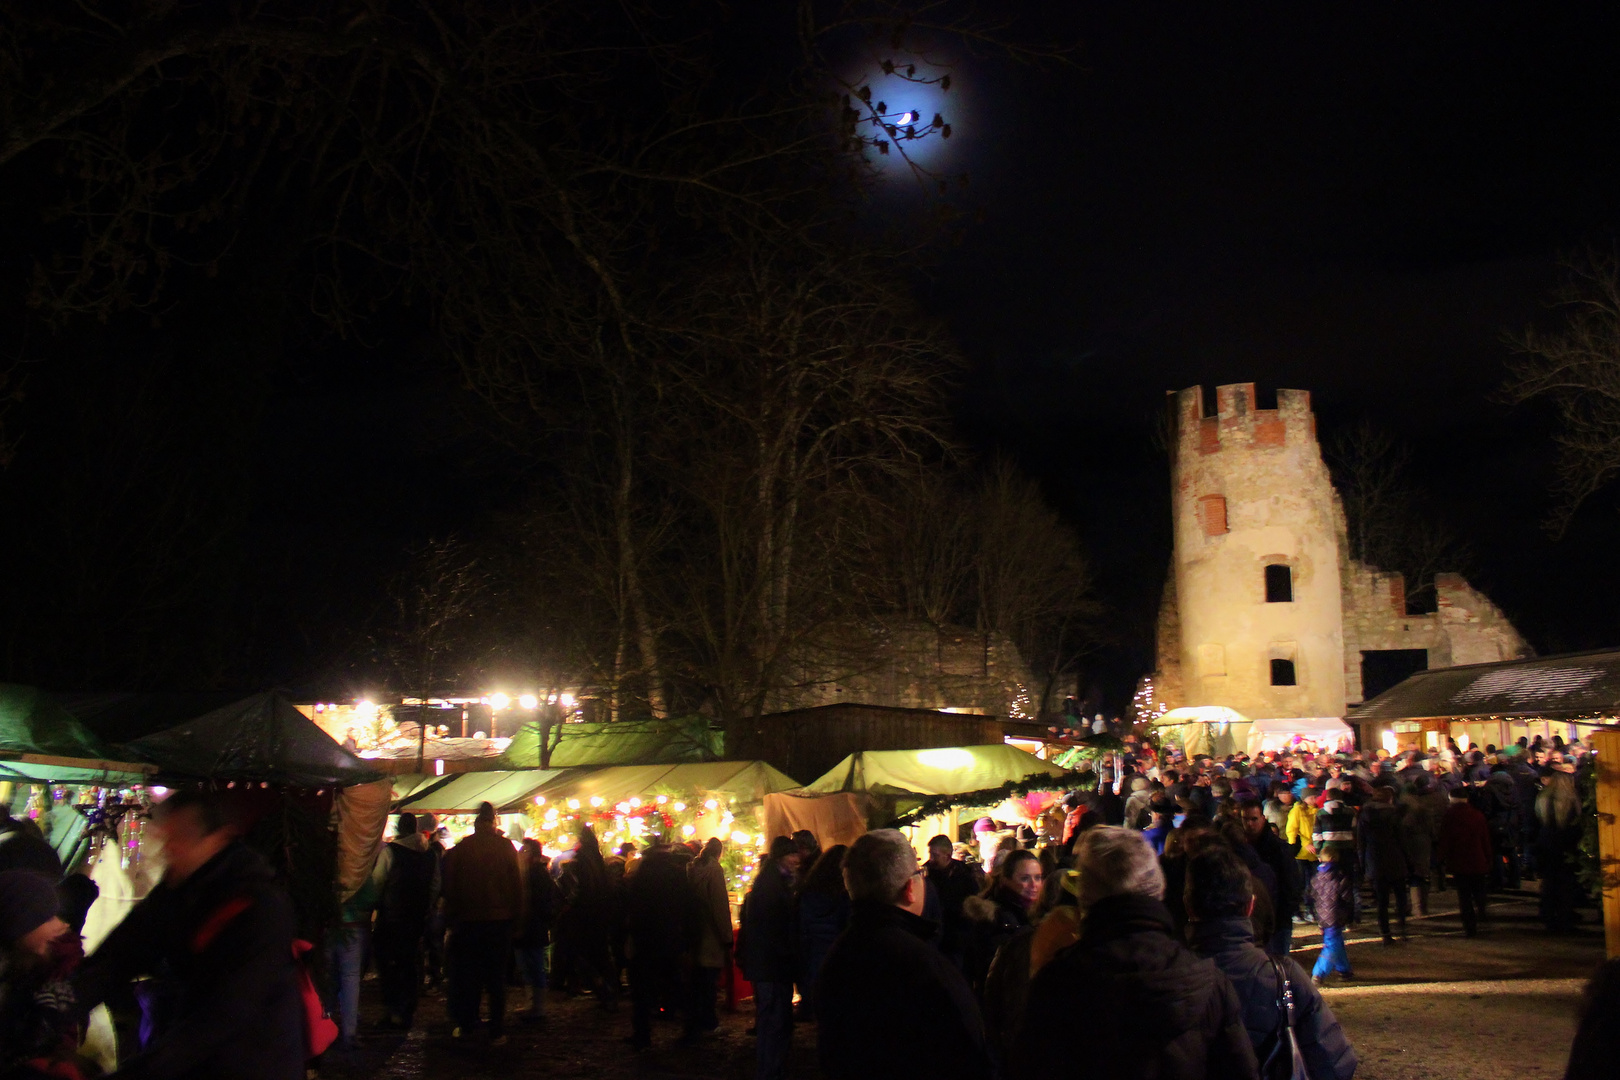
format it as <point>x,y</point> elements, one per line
<point>1128,952</point>
<point>984,909</point>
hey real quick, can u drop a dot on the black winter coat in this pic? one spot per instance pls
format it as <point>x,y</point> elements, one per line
<point>769,929</point>
<point>1383,848</point>
<point>661,909</point>
<point>221,946</point>
<point>1326,1051</point>
<point>987,925</point>
<point>1276,854</point>
<point>1128,1001</point>
<point>890,1005</point>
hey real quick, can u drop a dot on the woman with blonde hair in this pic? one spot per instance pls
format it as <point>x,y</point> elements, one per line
<point>1558,811</point>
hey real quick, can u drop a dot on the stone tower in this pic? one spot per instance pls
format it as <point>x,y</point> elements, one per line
<point>1257,564</point>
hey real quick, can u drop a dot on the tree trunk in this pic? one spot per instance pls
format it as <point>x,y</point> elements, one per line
<point>646,637</point>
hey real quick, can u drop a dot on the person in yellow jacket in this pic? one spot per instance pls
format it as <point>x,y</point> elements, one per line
<point>1301,823</point>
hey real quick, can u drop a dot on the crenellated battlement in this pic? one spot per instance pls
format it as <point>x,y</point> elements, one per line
<point>1237,423</point>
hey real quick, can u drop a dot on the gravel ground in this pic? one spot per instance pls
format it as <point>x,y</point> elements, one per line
<point>1436,1007</point>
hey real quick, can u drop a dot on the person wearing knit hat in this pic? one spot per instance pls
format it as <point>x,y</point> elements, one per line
<point>38,1025</point>
<point>28,920</point>
<point>408,875</point>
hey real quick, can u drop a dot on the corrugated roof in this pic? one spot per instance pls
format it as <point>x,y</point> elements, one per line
<point>1575,686</point>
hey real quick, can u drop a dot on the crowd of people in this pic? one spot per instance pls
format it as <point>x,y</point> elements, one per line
<point>1147,922</point>
<point>1144,923</point>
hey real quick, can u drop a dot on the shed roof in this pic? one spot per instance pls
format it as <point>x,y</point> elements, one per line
<point>1574,686</point>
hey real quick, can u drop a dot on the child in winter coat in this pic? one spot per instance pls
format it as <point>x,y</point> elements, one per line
<point>1332,896</point>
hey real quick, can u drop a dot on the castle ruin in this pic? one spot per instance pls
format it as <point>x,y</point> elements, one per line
<point>1264,611</point>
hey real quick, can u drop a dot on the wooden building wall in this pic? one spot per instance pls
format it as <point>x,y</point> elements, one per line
<point>805,743</point>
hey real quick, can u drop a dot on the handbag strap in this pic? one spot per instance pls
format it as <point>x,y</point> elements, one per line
<point>1285,993</point>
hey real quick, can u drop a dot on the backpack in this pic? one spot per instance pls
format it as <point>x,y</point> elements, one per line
<point>320,1031</point>
<point>1279,1055</point>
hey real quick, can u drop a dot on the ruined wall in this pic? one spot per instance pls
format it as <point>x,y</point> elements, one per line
<point>912,665</point>
<point>1249,489</point>
<point>1475,628</point>
<point>1168,688</point>
<point>1375,618</point>
<point>1466,629</point>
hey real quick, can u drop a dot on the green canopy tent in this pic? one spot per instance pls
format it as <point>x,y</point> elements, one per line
<point>407,785</point>
<point>43,745</point>
<point>263,738</point>
<point>628,742</point>
<point>881,785</point>
<point>746,781</point>
<point>506,790</point>
<point>939,771</point>
<point>33,724</point>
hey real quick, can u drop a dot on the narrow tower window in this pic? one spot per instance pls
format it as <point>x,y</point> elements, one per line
<point>1282,672</point>
<point>1280,590</point>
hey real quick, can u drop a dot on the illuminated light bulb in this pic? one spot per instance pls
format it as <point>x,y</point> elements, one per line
<point>679,807</point>
<point>662,799</point>
<point>739,838</point>
<point>759,840</point>
<point>540,800</point>
<point>499,701</point>
<point>573,804</point>
<point>566,700</point>
<point>635,802</point>
<point>688,830</point>
<point>529,701</point>
<point>712,804</point>
<point>596,800</point>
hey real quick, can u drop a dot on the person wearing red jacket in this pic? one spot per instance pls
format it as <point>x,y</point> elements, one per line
<point>1465,850</point>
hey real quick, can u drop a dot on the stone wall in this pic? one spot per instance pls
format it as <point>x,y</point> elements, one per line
<point>1249,490</point>
<point>913,665</point>
<point>1476,629</point>
<point>1167,681</point>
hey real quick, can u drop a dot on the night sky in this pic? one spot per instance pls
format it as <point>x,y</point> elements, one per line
<point>1361,201</point>
<point>1358,203</point>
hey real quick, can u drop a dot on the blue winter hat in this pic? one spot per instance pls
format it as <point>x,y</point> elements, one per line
<point>27,902</point>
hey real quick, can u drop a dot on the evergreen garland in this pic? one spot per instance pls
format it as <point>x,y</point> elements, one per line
<point>1076,779</point>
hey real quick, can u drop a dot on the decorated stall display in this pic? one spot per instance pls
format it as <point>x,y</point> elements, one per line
<point>1220,732</point>
<point>927,792</point>
<point>624,803</point>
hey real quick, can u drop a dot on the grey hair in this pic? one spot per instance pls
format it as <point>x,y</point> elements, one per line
<point>1113,861</point>
<point>878,865</point>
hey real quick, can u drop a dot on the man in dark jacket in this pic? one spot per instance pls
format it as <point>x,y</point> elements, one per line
<point>217,932</point>
<point>1220,899</point>
<point>1383,858</point>
<point>767,956</point>
<point>1465,851</point>
<point>483,897</point>
<point>953,881</point>
<point>1128,1000</point>
<point>1280,858</point>
<point>889,1004</point>
<point>410,888</point>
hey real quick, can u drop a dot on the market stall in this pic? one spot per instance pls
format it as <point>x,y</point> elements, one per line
<point>1221,732</point>
<point>897,782</point>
